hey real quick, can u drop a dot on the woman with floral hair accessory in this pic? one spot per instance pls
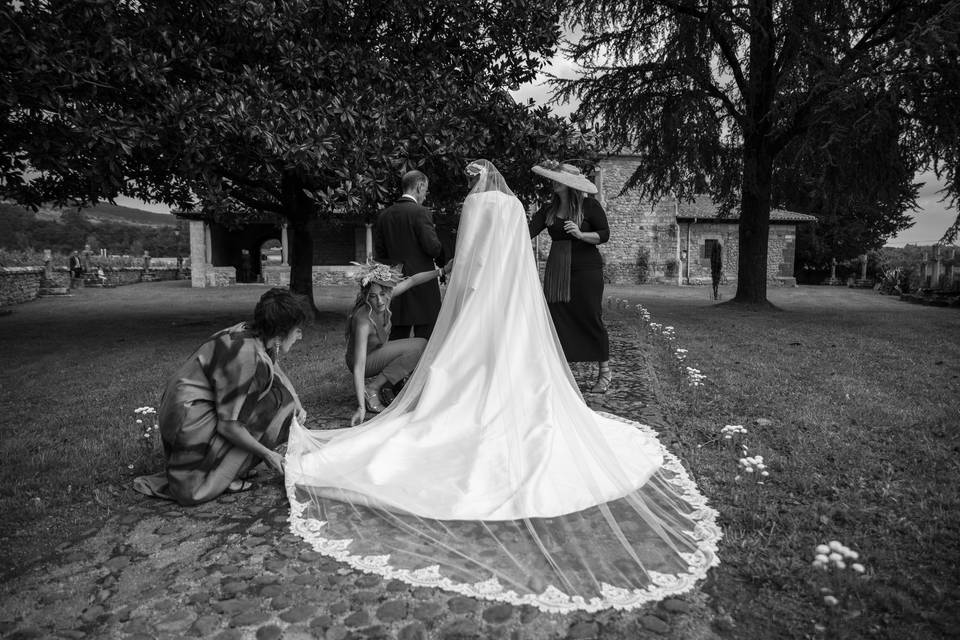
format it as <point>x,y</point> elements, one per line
<point>573,279</point>
<point>380,360</point>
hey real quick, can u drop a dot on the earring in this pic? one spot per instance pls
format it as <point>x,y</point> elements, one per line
<point>276,352</point>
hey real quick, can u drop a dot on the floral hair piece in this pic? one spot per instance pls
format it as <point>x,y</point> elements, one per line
<point>378,273</point>
<point>473,169</point>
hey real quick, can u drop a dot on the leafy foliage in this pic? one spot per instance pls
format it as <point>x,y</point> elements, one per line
<point>295,107</point>
<point>827,106</point>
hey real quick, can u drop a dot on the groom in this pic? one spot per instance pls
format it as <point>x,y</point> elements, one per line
<point>404,234</point>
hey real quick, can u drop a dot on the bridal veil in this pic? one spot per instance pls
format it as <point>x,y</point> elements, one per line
<point>489,475</point>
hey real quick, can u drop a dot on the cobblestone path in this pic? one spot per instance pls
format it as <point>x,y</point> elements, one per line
<point>230,569</point>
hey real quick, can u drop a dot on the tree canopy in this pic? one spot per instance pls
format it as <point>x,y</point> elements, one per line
<point>294,107</point>
<point>828,105</point>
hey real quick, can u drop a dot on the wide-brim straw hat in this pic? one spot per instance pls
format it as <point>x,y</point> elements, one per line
<point>565,174</point>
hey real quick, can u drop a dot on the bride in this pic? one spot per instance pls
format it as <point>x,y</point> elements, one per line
<point>488,475</point>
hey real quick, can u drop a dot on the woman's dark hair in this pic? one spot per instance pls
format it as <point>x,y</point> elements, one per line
<point>279,312</point>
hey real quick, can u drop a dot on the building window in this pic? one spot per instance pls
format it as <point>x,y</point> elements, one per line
<point>708,249</point>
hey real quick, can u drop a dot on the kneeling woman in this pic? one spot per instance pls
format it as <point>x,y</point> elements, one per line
<point>379,358</point>
<point>229,405</point>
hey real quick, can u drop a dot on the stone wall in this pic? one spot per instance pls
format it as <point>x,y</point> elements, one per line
<point>725,233</point>
<point>19,284</point>
<point>636,226</point>
<point>22,284</point>
<point>323,275</point>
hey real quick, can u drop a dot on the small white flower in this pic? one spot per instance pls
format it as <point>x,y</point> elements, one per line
<point>823,549</point>
<point>835,545</point>
<point>859,568</point>
<point>835,557</point>
<point>830,601</point>
<point>841,565</point>
<point>139,421</point>
<point>130,466</point>
<point>765,473</point>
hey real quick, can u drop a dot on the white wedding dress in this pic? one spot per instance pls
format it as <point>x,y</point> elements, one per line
<point>488,475</point>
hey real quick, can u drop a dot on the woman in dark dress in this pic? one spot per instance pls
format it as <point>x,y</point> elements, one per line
<point>229,405</point>
<point>573,280</point>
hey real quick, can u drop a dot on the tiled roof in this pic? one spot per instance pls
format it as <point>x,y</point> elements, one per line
<point>703,208</point>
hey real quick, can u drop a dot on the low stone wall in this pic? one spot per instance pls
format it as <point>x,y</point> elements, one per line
<point>22,284</point>
<point>130,275</point>
<point>19,284</point>
<point>326,275</point>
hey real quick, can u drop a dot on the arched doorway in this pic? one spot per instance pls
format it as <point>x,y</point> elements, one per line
<point>270,253</point>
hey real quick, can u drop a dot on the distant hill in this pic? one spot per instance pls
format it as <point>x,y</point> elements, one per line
<point>103,212</point>
<point>114,229</point>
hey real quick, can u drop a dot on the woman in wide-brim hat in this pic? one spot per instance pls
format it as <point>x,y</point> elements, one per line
<point>573,279</point>
<point>371,356</point>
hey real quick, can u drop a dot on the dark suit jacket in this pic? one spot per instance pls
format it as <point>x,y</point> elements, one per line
<point>404,234</point>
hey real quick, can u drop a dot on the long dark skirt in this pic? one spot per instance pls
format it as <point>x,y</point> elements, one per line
<point>579,323</point>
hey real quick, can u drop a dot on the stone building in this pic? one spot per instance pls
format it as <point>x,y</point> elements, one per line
<point>940,268</point>
<point>673,239</point>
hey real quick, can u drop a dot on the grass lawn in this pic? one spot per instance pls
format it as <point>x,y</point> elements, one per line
<point>862,395</point>
<point>75,369</point>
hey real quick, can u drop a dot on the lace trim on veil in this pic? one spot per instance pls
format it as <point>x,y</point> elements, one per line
<point>706,534</point>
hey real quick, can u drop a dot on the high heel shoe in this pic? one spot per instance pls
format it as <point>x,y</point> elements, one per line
<point>604,379</point>
<point>372,399</point>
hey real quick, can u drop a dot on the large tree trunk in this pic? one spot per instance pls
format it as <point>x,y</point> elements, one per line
<point>299,211</point>
<point>757,158</point>
<point>754,223</point>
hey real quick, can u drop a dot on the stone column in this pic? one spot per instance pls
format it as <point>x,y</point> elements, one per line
<point>833,270</point>
<point>863,267</point>
<point>199,252</point>
<point>368,240</point>
<point>285,246</point>
<point>47,264</point>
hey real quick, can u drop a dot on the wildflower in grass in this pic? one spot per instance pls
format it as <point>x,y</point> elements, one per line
<point>753,463</point>
<point>731,430</point>
<point>694,377</point>
<point>834,555</point>
<point>832,561</point>
<point>150,431</point>
<point>669,333</point>
<point>680,354</point>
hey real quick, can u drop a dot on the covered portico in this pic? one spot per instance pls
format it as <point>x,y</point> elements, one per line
<point>222,256</point>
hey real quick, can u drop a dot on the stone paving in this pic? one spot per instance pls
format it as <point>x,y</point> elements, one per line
<point>231,570</point>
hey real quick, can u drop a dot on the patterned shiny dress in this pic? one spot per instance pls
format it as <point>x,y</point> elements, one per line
<point>232,378</point>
